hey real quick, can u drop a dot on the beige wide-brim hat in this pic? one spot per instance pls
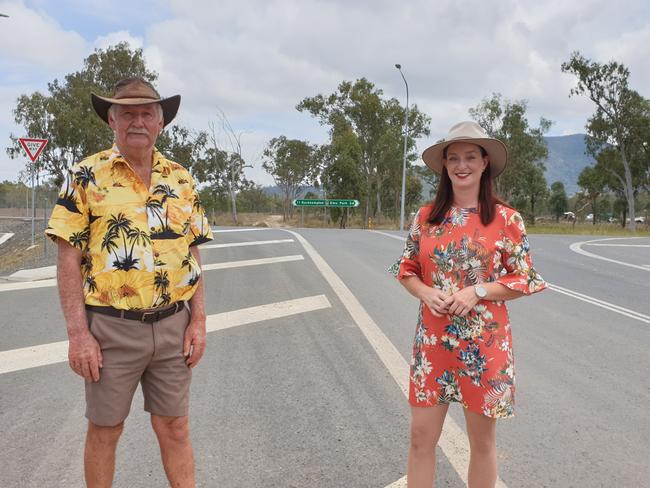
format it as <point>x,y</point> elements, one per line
<point>472,133</point>
<point>135,91</point>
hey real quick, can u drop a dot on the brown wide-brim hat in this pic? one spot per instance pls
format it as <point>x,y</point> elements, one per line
<point>135,91</point>
<point>472,133</point>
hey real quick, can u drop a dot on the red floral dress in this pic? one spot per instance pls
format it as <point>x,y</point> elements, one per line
<point>467,359</point>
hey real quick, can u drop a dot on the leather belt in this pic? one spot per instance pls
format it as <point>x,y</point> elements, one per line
<point>148,316</point>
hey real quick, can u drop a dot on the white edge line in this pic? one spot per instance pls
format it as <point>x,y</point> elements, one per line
<point>577,248</point>
<point>615,308</point>
<point>246,229</point>
<point>399,238</point>
<point>57,352</point>
<point>453,440</point>
<point>244,244</point>
<point>619,245</point>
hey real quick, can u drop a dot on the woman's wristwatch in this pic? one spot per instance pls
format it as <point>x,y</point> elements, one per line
<point>480,291</point>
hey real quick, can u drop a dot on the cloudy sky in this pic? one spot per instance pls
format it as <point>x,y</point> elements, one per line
<point>255,60</point>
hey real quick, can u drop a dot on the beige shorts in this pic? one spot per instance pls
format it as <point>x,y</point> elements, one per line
<point>139,352</point>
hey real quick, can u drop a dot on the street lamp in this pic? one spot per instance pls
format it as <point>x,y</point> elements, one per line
<point>406,132</point>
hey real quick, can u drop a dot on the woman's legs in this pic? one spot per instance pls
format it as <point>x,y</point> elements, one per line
<point>426,426</point>
<point>482,434</point>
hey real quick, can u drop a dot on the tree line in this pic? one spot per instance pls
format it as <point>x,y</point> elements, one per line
<point>362,158</point>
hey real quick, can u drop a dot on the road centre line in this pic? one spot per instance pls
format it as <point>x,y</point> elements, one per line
<point>453,440</point>
<point>579,296</point>
<point>57,352</point>
<point>244,244</point>
<point>206,267</point>
<point>577,247</point>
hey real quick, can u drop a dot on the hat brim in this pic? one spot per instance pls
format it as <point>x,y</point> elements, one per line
<point>169,105</point>
<point>496,150</point>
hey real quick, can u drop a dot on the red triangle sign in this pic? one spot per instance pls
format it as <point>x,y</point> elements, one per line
<point>33,147</point>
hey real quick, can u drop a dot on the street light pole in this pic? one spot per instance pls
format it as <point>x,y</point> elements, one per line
<point>406,133</point>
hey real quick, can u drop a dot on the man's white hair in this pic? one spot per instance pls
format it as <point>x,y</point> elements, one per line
<point>111,111</point>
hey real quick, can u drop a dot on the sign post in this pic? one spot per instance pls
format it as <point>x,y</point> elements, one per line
<point>33,148</point>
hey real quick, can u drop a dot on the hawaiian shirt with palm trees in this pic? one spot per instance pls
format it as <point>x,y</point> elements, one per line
<point>135,241</point>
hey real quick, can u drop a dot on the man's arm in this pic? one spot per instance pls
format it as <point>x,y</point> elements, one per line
<point>195,340</point>
<point>84,354</point>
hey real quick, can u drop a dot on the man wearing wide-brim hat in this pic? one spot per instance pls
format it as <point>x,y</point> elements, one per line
<point>128,223</point>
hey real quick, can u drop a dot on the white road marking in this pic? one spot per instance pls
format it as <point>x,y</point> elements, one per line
<point>580,296</point>
<point>244,229</point>
<point>619,245</point>
<point>400,483</point>
<point>244,244</point>
<point>577,247</point>
<point>205,267</point>
<point>601,303</point>
<point>399,238</point>
<point>57,352</point>
<point>27,284</point>
<point>269,311</point>
<point>251,262</point>
<point>453,440</point>
<point>6,236</point>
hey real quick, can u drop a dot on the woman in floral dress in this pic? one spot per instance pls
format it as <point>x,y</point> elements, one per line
<point>465,255</point>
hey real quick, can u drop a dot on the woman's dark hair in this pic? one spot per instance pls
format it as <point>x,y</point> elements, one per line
<point>487,200</point>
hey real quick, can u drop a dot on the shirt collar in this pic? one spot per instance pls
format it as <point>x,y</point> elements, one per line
<point>115,157</point>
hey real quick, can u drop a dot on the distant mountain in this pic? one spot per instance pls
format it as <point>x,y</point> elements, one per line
<point>566,159</point>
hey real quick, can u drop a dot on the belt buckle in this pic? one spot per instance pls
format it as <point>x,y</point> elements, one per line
<point>144,316</point>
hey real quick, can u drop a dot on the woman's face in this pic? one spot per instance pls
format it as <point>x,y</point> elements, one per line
<point>465,164</point>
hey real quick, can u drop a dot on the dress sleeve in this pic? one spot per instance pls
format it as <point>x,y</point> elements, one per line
<point>70,216</point>
<point>516,268</point>
<point>408,264</point>
<point>200,230</point>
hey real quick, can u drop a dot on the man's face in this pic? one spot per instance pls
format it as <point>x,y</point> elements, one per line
<point>136,127</point>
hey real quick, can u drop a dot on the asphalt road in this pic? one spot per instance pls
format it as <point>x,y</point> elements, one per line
<point>306,400</point>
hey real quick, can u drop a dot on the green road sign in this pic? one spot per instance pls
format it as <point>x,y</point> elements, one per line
<point>326,203</point>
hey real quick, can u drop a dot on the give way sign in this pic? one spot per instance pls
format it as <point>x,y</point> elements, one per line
<point>33,147</point>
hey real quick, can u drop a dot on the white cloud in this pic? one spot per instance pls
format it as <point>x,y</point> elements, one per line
<point>103,42</point>
<point>31,43</point>
<point>257,59</point>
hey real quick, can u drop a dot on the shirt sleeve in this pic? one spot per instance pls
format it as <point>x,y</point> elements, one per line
<point>408,264</point>
<point>70,216</point>
<point>516,268</point>
<point>200,230</point>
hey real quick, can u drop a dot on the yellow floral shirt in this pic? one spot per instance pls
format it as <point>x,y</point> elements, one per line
<point>135,241</point>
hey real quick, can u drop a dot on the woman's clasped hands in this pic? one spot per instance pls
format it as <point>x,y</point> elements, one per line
<point>441,303</point>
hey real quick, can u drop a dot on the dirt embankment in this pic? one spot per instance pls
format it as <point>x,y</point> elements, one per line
<point>17,252</point>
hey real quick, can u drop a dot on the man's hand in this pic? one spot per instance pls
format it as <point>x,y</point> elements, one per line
<point>461,302</point>
<point>85,356</point>
<point>194,341</point>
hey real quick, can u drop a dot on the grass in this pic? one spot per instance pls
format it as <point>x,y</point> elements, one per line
<point>314,220</point>
<point>588,229</point>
